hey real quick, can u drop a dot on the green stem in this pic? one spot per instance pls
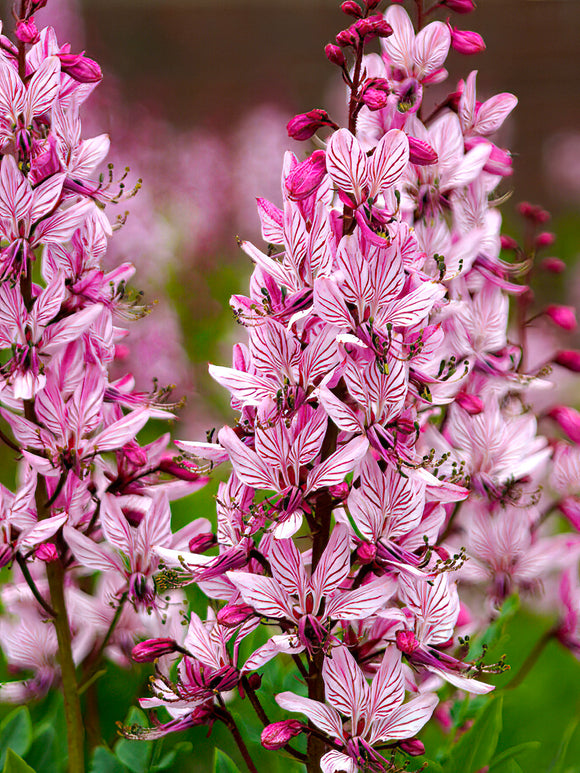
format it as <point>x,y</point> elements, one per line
<point>72,707</point>
<point>530,661</point>
<point>20,560</point>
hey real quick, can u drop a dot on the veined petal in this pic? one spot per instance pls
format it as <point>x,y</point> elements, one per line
<point>346,164</point>
<point>323,716</point>
<point>336,467</point>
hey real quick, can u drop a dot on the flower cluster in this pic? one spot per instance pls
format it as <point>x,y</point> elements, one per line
<point>89,497</point>
<point>384,431</point>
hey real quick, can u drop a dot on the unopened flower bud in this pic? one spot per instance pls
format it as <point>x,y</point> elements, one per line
<point>334,54</point>
<point>306,177</point>
<point>233,615</point>
<point>507,243</point>
<point>80,67</point>
<point>568,419</point>
<point>553,265</point>
<point>255,681</point>
<point>340,491</point>
<point>26,31</point>
<point>351,8</point>
<point>421,153</point>
<point>533,212</point>
<point>150,650</point>
<point>563,316</point>
<point>370,4</point>
<point>406,641</point>
<point>373,26</point>
<point>568,358</point>
<point>347,37</point>
<point>366,553</point>
<point>46,552</point>
<point>374,99</point>
<point>466,42</point>
<point>36,5</point>
<point>470,403</point>
<point>278,734</point>
<point>545,239</point>
<point>202,542</point>
<point>413,746</point>
<point>304,125</point>
<point>459,6</point>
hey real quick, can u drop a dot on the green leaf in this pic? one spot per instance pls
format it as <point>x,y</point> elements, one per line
<point>15,733</point>
<point>183,747</point>
<point>15,764</point>
<point>136,755</point>
<point>42,755</point>
<point>558,764</point>
<point>513,751</point>
<point>476,747</point>
<point>223,764</point>
<point>508,766</point>
<point>104,761</point>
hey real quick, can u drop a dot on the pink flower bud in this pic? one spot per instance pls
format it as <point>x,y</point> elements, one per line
<point>233,615</point>
<point>46,552</point>
<point>459,6</point>
<point>334,55</point>
<point>36,5</point>
<point>373,26</point>
<point>202,542</point>
<point>351,8</point>
<point>150,650</point>
<point>568,419</point>
<point>406,641</point>
<point>80,67</point>
<point>26,31</point>
<point>306,177</point>
<point>255,681</point>
<point>507,243</point>
<point>545,239</point>
<point>366,553</point>
<point>413,746</point>
<point>563,316</point>
<point>553,265</point>
<point>466,42</point>
<point>370,4</point>
<point>347,37</point>
<point>374,99</point>
<point>470,403</point>
<point>304,125</point>
<point>278,734</point>
<point>568,358</point>
<point>533,212</point>
<point>340,491</point>
<point>421,153</point>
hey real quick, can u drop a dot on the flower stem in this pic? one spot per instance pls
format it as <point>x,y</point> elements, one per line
<point>72,706</point>
<point>234,730</point>
<point>530,661</point>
